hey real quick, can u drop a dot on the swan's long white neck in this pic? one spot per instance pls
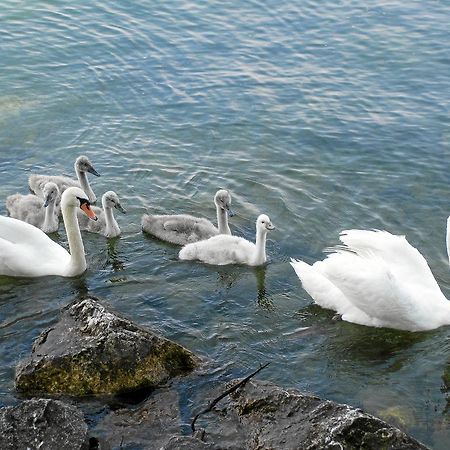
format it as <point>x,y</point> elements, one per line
<point>50,217</point>
<point>448,239</point>
<point>85,186</point>
<point>222,220</point>
<point>111,225</point>
<point>260,254</point>
<point>77,262</point>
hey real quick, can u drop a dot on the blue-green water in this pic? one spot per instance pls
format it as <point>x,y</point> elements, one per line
<point>325,115</point>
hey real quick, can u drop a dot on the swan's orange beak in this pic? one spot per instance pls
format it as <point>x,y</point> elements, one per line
<point>88,211</point>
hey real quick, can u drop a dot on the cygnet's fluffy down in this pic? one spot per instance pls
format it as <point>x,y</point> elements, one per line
<point>82,167</point>
<point>42,213</point>
<point>223,249</point>
<point>182,229</point>
<point>106,223</point>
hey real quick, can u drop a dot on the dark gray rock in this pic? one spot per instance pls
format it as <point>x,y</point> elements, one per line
<point>188,443</point>
<point>148,426</point>
<point>262,416</point>
<point>42,424</point>
<point>91,350</point>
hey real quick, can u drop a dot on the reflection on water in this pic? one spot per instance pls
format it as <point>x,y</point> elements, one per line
<point>113,255</point>
<point>366,345</point>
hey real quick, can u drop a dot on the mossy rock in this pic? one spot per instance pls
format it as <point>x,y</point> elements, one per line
<point>93,351</point>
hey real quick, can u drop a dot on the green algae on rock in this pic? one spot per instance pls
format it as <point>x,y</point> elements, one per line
<point>93,351</point>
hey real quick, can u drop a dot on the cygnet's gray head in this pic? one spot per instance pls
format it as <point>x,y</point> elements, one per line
<point>51,193</point>
<point>111,200</point>
<point>222,199</point>
<point>263,223</point>
<point>82,164</point>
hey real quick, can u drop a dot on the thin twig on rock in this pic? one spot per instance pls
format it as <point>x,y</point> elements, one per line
<point>227,392</point>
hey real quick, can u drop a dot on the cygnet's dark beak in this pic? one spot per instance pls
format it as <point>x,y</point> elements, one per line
<point>47,201</point>
<point>93,171</point>
<point>120,208</point>
<point>230,212</point>
<point>269,226</point>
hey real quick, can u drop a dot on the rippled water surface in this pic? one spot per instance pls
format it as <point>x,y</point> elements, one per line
<point>325,115</point>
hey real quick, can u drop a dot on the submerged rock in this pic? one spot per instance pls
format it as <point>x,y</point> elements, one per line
<point>42,424</point>
<point>262,415</point>
<point>93,351</point>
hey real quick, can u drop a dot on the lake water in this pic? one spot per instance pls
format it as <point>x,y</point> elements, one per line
<point>324,115</point>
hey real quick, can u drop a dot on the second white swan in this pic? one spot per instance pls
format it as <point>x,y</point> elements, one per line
<point>377,279</point>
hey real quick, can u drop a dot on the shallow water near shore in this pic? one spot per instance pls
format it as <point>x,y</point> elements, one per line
<point>324,116</point>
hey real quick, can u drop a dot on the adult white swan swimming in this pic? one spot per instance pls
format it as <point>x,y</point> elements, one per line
<point>377,279</point>
<point>182,229</point>
<point>26,251</point>
<point>82,167</point>
<point>223,249</point>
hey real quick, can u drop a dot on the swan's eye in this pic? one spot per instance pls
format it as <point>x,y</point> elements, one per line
<point>83,201</point>
<point>263,221</point>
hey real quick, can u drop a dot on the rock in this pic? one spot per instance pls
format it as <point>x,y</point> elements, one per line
<point>188,443</point>
<point>42,424</point>
<point>93,351</point>
<point>147,427</point>
<point>262,415</point>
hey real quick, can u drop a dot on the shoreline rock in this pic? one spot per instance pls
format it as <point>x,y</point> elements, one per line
<point>43,424</point>
<point>261,415</point>
<point>93,351</point>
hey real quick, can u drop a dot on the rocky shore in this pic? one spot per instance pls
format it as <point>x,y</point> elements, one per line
<point>94,353</point>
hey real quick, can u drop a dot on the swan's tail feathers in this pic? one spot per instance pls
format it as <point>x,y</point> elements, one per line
<point>33,181</point>
<point>145,222</point>
<point>188,252</point>
<point>323,291</point>
<point>300,267</point>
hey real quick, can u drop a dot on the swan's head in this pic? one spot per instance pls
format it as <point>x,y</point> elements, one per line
<point>111,200</point>
<point>264,224</point>
<point>222,199</point>
<point>74,197</point>
<point>51,193</point>
<point>82,164</point>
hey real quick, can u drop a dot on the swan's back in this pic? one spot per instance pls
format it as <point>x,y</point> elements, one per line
<point>22,244</point>
<point>220,250</point>
<point>38,182</point>
<point>401,258</point>
<point>27,208</point>
<point>178,229</point>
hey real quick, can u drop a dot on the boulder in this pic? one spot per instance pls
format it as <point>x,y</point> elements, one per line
<point>148,426</point>
<point>42,424</point>
<point>262,415</point>
<point>91,350</point>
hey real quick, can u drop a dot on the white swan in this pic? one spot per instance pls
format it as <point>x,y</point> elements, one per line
<point>106,223</point>
<point>26,251</point>
<point>82,166</point>
<point>377,279</point>
<point>223,249</point>
<point>30,208</point>
<point>182,229</point>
